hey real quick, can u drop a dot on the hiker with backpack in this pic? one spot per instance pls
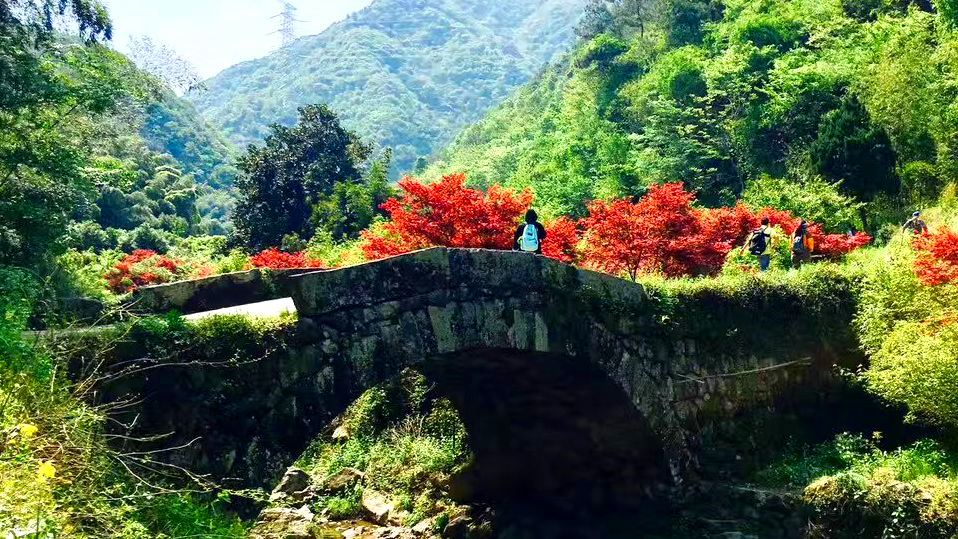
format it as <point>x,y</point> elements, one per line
<point>529,236</point>
<point>760,244</point>
<point>803,244</point>
<point>916,224</point>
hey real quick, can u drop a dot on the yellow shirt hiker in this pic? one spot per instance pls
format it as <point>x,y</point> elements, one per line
<point>761,244</point>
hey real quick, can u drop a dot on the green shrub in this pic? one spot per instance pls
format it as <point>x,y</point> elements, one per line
<point>403,438</point>
<point>909,333</point>
<point>917,365</point>
<point>814,200</point>
<point>345,507</point>
<point>82,273</point>
<point>910,492</point>
<point>857,490</point>
<point>921,183</point>
<point>56,463</point>
<point>334,253</point>
<point>235,260</point>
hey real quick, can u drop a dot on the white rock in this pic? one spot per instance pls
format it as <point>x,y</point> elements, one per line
<point>377,506</point>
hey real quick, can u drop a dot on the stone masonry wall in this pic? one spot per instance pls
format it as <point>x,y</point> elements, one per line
<point>215,292</point>
<point>362,325</point>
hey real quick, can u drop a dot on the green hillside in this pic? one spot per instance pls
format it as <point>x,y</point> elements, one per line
<point>402,73</point>
<point>731,97</point>
<point>171,125</point>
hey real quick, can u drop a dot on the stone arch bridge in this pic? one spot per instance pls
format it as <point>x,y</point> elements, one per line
<point>551,367</point>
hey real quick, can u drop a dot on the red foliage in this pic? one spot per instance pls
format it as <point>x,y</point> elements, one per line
<point>827,245</point>
<point>730,226</point>
<point>205,270</point>
<point>664,233</point>
<point>276,259</point>
<point>836,245</point>
<point>562,240</point>
<point>142,268</point>
<point>447,213</point>
<point>661,233</point>
<point>937,261</point>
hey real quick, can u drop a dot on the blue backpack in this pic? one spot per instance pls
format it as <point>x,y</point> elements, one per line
<point>529,241</point>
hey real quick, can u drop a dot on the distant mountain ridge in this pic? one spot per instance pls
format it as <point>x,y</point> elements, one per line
<point>408,74</point>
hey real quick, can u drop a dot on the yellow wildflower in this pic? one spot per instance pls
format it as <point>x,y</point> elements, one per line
<point>27,430</point>
<point>46,470</point>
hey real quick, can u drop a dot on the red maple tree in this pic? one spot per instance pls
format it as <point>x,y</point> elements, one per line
<point>562,240</point>
<point>661,233</point>
<point>837,245</point>
<point>276,259</point>
<point>665,233</point>
<point>143,267</point>
<point>937,257</point>
<point>447,214</point>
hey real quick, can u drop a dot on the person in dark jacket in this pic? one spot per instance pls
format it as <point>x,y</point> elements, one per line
<point>803,245</point>
<point>530,236</point>
<point>916,224</point>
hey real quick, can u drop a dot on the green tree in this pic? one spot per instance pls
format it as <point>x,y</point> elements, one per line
<point>812,199</point>
<point>948,10</point>
<point>422,163</point>
<point>295,169</point>
<point>683,20</point>
<point>596,20</point>
<point>351,207</point>
<point>851,149</point>
<point>37,17</point>
<point>49,91</point>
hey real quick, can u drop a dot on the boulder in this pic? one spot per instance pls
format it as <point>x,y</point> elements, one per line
<point>424,526</point>
<point>294,485</point>
<point>281,523</point>
<point>377,506</point>
<point>342,481</point>
<point>458,528</point>
<point>392,533</point>
<point>341,434</point>
<point>294,480</point>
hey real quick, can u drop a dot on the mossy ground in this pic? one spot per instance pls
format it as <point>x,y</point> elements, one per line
<point>407,441</point>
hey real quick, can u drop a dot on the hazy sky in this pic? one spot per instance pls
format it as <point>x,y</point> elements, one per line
<point>215,34</point>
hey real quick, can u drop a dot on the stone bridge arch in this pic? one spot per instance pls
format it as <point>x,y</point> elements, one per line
<point>437,308</point>
<point>451,313</point>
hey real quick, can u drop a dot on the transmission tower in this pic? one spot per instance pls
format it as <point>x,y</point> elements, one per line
<point>288,20</point>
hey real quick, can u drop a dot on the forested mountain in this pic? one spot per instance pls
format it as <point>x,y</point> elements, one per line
<point>172,125</point>
<point>97,153</point>
<point>408,74</point>
<point>735,98</point>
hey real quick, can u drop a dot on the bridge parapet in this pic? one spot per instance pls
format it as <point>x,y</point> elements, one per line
<point>215,292</point>
<point>435,270</point>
